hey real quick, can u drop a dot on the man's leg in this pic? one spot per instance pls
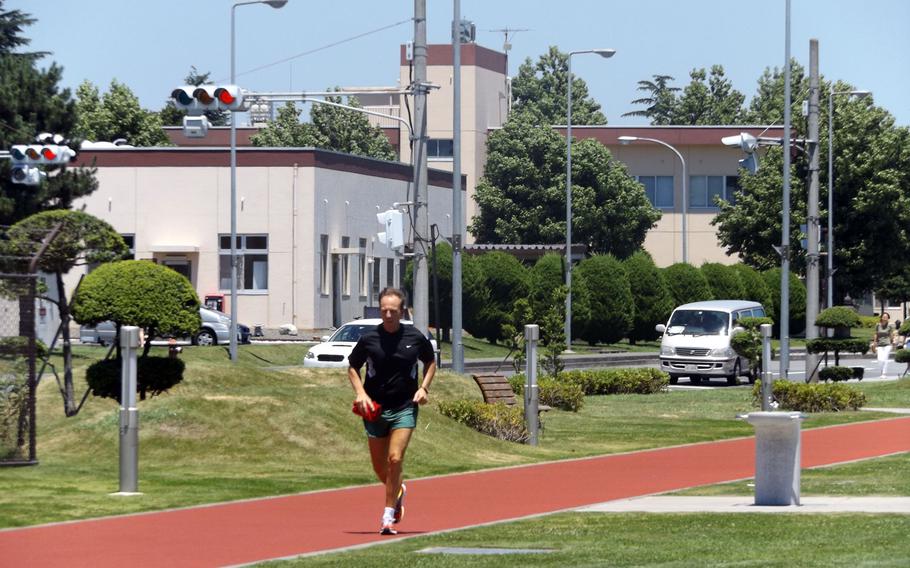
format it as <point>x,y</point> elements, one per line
<point>397,445</point>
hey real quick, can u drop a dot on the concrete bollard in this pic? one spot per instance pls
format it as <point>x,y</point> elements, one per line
<point>777,459</point>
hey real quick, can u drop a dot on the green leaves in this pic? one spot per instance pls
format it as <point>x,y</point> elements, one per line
<point>116,114</point>
<point>541,89</point>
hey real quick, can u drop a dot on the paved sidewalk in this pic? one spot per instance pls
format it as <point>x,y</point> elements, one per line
<point>814,505</point>
<point>256,530</point>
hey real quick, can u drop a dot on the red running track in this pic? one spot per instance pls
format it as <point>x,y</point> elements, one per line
<point>261,529</point>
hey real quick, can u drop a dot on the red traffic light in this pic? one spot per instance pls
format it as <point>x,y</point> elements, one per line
<point>225,96</point>
<point>48,153</point>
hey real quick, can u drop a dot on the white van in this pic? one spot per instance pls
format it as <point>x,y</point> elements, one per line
<point>696,340</point>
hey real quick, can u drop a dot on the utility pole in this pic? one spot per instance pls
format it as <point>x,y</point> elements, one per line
<point>421,226</point>
<point>457,223</point>
<point>812,221</point>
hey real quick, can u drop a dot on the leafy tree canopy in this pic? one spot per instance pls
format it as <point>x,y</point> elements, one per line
<point>687,284</point>
<point>522,196</point>
<point>542,89</point>
<point>116,114</point>
<point>650,294</point>
<point>610,297</point>
<point>332,128</point>
<point>660,102</point>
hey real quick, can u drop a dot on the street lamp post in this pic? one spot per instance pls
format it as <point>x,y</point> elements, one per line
<point>685,186</point>
<point>605,53</point>
<point>859,94</point>
<point>233,347</point>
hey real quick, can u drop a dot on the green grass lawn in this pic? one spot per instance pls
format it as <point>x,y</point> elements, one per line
<point>231,432</point>
<point>635,539</point>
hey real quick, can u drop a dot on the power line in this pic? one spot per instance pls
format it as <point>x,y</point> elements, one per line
<point>318,49</point>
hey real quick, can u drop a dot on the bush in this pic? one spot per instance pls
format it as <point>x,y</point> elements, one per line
<point>650,294</point>
<point>818,397</point>
<point>754,286</point>
<point>507,281</point>
<point>838,316</point>
<point>835,374</point>
<point>869,322</point>
<point>905,328</point>
<point>902,356</point>
<point>618,381</point>
<point>610,297</point>
<point>497,420</point>
<point>823,344</point>
<point>154,375</point>
<point>748,343</point>
<point>687,284</point>
<point>797,300</point>
<point>724,281</point>
<point>552,392</point>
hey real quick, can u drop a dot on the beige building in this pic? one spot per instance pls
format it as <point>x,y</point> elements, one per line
<point>306,224</point>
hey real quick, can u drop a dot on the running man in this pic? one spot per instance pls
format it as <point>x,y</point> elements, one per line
<point>391,352</point>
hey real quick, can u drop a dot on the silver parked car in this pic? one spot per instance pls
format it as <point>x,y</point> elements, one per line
<point>215,330</point>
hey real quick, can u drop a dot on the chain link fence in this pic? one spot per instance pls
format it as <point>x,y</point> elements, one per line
<point>19,349</point>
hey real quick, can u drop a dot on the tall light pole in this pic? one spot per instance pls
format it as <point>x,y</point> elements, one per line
<point>685,186</point>
<point>859,94</point>
<point>785,221</point>
<point>273,4</point>
<point>606,53</point>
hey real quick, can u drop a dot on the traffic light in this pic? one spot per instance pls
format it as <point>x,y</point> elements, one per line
<point>393,221</point>
<point>26,158</point>
<point>198,99</point>
<point>749,145</point>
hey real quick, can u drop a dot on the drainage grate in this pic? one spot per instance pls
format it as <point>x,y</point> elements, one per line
<point>482,551</point>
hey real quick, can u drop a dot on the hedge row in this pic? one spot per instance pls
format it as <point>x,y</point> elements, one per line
<point>556,393</point>
<point>497,420</point>
<point>568,390</point>
<point>802,397</point>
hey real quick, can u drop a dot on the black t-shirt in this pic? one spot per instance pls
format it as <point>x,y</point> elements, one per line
<point>391,358</point>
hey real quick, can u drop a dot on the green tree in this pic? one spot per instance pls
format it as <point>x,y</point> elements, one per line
<point>754,286</point>
<point>708,100</point>
<point>141,293</point>
<point>522,198</point>
<point>660,103</point>
<point>541,89</point>
<point>724,281</point>
<point>687,284</point>
<point>507,281</point>
<point>33,103</point>
<point>83,240</point>
<point>332,128</point>
<point>610,296</point>
<point>650,296</point>
<point>797,300</point>
<point>170,115</point>
<point>116,114</point>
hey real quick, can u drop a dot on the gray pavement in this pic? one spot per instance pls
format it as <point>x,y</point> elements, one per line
<point>812,505</point>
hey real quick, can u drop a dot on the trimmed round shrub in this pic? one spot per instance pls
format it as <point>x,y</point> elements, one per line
<point>813,397</point>
<point>687,284</point>
<point>552,392</point>
<point>835,374</point>
<point>506,279</point>
<point>724,281</point>
<point>902,356</point>
<point>610,297</point>
<point>824,344</point>
<point>154,375</point>
<point>650,294</point>
<point>905,328</point>
<point>869,322</point>
<point>497,420</point>
<point>755,289</point>
<point>838,316</point>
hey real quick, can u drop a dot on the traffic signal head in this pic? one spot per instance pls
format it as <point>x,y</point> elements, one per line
<point>35,154</point>
<point>27,175</point>
<point>393,221</point>
<point>748,144</point>
<point>196,100</point>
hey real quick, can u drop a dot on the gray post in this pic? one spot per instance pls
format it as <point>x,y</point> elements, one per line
<point>766,375</point>
<point>457,223</point>
<point>233,338</point>
<point>830,259</point>
<point>532,335</point>
<point>812,220</point>
<point>777,459</point>
<point>785,222</point>
<point>129,415</point>
<point>421,301</point>
<point>568,324</point>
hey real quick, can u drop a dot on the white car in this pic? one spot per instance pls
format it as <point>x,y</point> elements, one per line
<point>334,350</point>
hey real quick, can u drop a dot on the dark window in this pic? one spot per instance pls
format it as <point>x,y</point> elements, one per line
<point>440,148</point>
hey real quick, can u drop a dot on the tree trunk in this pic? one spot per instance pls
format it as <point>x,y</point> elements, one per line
<point>69,395</point>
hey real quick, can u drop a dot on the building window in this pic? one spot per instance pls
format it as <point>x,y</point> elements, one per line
<point>390,272</point>
<point>704,189</point>
<point>364,284</point>
<point>252,262</point>
<point>130,241</point>
<point>440,148</point>
<point>377,267</point>
<point>346,267</point>
<point>659,190</point>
